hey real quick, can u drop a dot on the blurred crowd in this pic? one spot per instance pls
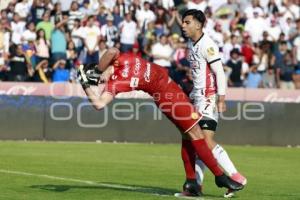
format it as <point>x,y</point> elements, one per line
<point>46,40</point>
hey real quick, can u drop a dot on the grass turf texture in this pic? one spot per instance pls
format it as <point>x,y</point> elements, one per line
<point>134,171</point>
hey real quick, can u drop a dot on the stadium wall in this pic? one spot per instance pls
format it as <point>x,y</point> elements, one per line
<point>71,118</point>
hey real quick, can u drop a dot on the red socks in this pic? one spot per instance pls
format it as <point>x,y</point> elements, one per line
<point>205,154</point>
<point>188,156</point>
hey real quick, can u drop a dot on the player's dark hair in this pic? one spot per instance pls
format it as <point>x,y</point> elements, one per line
<point>197,14</point>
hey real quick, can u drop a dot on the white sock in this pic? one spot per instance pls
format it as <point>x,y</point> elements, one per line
<point>223,160</point>
<point>200,168</point>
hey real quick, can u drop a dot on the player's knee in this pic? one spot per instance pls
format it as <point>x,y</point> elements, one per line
<point>195,133</point>
<point>185,136</point>
<point>209,138</point>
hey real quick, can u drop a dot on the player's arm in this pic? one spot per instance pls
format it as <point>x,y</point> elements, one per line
<point>98,102</point>
<point>213,58</point>
<point>218,70</point>
<point>108,58</point>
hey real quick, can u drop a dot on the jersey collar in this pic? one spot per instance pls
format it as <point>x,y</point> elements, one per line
<point>198,39</point>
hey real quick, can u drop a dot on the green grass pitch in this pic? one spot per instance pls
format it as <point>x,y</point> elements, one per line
<point>106,171</point>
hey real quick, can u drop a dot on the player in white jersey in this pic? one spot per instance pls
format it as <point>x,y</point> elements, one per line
<point>208,94</point>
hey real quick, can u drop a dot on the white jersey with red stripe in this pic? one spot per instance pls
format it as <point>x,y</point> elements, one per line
<point>201,54</point>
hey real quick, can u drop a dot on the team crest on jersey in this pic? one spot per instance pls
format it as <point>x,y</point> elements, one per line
<point>114,77</point>
<point>210,51</point>
<point>195,115</point>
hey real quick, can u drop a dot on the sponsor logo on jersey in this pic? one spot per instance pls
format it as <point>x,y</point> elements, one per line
<point>210,51</point>
<point>195,115</point>
<point>125,71</point>
<point>147,73</point>
<point>137,66</point>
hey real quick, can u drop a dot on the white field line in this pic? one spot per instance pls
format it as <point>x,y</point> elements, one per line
<point>115,186</point>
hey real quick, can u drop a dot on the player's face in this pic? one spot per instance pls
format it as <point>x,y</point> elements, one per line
<point>190,26</point>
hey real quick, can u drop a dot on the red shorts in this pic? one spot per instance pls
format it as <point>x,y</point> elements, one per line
<point>174,103</point>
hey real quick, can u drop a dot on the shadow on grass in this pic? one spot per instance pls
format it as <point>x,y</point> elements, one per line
<point>109,186</point>
<point>117,187</point>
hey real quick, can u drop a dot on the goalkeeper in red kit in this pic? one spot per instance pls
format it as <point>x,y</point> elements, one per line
<point>127,72</point>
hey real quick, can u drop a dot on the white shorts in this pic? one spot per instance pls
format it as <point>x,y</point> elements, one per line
<point>207,106</point>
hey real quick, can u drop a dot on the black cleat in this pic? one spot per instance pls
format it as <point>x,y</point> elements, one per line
<point>225,181</point>
<point>191,188</point>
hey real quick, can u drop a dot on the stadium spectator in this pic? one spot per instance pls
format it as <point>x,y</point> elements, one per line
<point>86,9</point>
<point>10,11</point>
<point>247,49</point>
<point>3,14</point>
<point>38,9</point>
<point>46,25</point>
<point>162,53</point>
<point>229,46</point>
<point>60,73</point>
<point>91,35</point>
<point>182,68</point>
<point>296,78</point>
<point>17,28</point>
<point>161,18</point>
<point>42,46</point>
<point>136,49</point>
<point>295,31</point>
<point>268,79</point>
<point>109,32</point>
<point>123,7</point>
<point>77,35</point>
<point>20,68</point>
<point>65,4</point>
<point>94,6</point>
<point>71,55</point>
<point>4,50</point>
<point>263,57</point>
<point>73,14</point>
<point>29,34</point>
<point>258,22</point>
<point>274,29</point>
<point>272,8</point>
<point>42,73</point>
<point>296,43</point>
<point>56,13</point>
<point>250,8</point>
<point>3,54</point>
<point>117,17</point>
<point>254,78</point>
<point>59,41</point>
<point>279,60</point>
<point>167,4</point>
<point>238,69</point>
<point>197,4</point>
<point>144,16</point>
<point>174,21</point>
<point>128,33</point>
<point>102,48</point>
<point>101,16</point>
<point>23,8</point>
<point>286,71</point>
<point>149,42</point>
